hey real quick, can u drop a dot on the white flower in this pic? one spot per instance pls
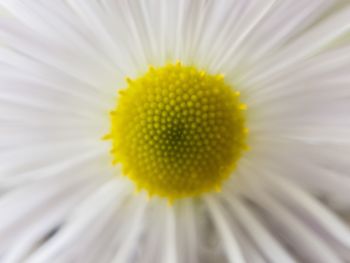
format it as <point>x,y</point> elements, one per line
<point>62,63</point>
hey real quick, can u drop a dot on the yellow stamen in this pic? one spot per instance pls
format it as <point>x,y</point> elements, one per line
<point>178,131</point>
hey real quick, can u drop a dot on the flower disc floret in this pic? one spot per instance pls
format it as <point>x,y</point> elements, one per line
<point>178,131</point>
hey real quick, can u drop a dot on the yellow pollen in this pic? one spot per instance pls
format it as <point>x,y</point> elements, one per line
<point>178,131</point>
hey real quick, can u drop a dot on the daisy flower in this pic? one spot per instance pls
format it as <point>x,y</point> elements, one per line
<point>174,131</point>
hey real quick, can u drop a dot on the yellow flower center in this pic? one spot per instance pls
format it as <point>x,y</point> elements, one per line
<point>178,131</point>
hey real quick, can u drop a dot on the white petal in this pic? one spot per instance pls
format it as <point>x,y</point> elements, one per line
<point>21,216</point>
<point>76,64</point>
<point>299,236</point>
<point>224,229</point>
<point>312,42</point>
<point>37,232</point>
<point>104,201</point>
<point>269,246</point>
<point>301,201</point>
<point>170,254</point>
<point>187,232</point>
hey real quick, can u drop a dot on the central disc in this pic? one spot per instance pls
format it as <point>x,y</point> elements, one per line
<point>177,131</point>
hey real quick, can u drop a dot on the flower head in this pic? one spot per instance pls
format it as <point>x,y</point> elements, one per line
<point>177,131</point>
<point>104,103</point>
